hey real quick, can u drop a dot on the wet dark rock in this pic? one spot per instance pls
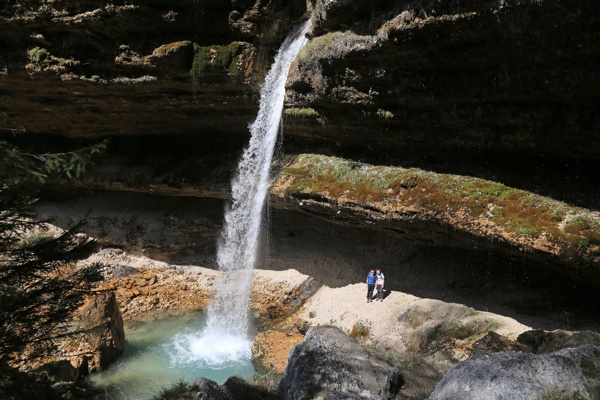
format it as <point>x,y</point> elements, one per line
<point>239,389</point>
<point>493,342</point>
<point>542,342</point>
<point>534,339</point>
<point>61,371</point>
<point>494,78</point>
<point>207,389</point>
<point>74,72</point>
<point>233,389</point>
<point>331,364</point>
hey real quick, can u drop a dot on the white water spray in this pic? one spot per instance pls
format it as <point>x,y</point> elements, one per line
<point>227,315</point>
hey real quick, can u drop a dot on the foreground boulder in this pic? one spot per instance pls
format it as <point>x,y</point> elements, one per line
<point>568,373</point>
<point>330,364</point>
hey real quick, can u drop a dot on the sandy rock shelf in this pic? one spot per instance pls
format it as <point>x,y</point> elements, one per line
<point>287,303</point>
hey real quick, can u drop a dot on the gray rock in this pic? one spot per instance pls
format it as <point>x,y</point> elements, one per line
<point>513,375</point>
<point>329,364</point>
<point>207,389</point>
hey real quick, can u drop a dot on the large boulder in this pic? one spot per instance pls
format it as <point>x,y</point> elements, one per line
<point>515,375</point>
<point>330,364</point>
<point>103,340</point>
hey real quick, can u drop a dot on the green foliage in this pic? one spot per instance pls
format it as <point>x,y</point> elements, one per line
<point>38,55</point>
<point>95,78</point>
<point>176,391</point>
<point>202,59</point>
<point>22,174</point>
<point>359,330</point>
<point>40,59</point>
<point>20,179</point>
<point>71,164</point>
<point>39,287</point>
<point>385,114</point>
<point>267,381</point>
<point>301,112</point>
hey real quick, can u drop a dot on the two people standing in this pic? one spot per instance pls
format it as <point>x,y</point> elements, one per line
<point>375,278</point>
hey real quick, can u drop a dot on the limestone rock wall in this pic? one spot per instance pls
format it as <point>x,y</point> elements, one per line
<point>451,78</point>
<point>173,85</point>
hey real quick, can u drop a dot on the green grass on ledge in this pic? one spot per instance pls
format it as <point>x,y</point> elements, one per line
<point>516,211</point>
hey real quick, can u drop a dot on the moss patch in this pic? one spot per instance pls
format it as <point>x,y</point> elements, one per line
<point>444,197</point>
<point>224,57</point>
<point>301,113</point>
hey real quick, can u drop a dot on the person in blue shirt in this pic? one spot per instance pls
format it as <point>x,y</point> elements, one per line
<point>371,279</point>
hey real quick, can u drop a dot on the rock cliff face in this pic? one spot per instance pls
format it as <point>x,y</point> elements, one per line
<point>173,85</point>
<point>501,90</point>
<point>391,80</point>
<point>469,131</point>
<point>445,210</point>
<point>505,90</point>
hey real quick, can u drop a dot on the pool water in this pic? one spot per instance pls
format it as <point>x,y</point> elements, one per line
<point>162,352</point>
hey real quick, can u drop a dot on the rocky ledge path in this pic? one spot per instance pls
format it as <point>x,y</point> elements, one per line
<point>287,303</point>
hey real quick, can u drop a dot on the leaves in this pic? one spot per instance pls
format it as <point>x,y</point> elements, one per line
<point>40,287</point>
<point>71,164</point>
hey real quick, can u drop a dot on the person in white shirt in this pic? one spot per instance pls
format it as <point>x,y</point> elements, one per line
<point>380,281</point>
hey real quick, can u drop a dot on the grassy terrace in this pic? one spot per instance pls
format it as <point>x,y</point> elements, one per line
<point>519,213</point>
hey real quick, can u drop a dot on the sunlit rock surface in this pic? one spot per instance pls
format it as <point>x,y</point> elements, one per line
<point>515,375</point>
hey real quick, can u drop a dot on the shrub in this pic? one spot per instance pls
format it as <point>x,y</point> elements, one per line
<point>385,114</point>
<point>38,55</point>
<point>301,112</point>
<point>174,392</point>
<point>359,330</point>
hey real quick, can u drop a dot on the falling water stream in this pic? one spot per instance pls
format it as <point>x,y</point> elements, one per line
<point>225,343</point>
<point>226,335</point>
<point>238,247</point>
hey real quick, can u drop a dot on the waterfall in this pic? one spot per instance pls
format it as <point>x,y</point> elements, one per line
<point>224,341</point>
<point>237,248</point>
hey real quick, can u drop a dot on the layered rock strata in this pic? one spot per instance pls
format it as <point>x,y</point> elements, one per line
<point>444,210</point>
<point>391,80</point>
